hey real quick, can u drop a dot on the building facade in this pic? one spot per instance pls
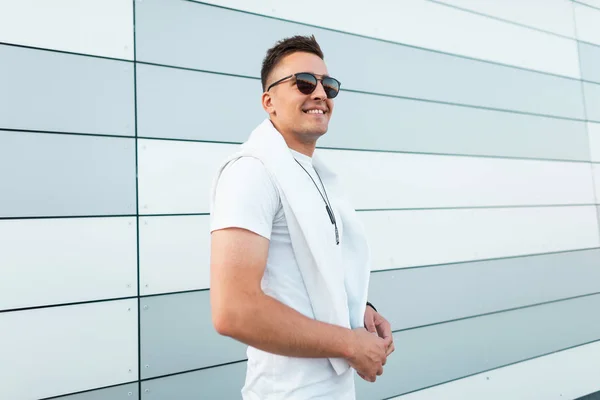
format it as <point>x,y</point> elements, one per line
<point>467,134</point>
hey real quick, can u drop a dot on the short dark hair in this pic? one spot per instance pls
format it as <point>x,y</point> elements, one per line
<point>285,47</point>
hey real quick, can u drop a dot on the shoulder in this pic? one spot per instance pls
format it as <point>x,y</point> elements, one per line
<point>245,197</point>
<point>246,172</point>
<point>247,180</point>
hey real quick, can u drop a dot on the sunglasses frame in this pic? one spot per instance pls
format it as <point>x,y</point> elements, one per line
<point>314,76</point>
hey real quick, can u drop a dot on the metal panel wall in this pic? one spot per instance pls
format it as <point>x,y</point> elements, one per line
<point>471,150</point>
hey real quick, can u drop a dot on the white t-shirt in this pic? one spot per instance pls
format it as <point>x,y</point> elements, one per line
<point>247,198</point>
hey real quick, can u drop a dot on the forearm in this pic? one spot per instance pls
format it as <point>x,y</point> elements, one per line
<point>267,324</point>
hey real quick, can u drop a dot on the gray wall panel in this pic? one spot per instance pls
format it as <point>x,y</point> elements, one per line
<point>592,396</point>
<point>177,335</point>
<point>175,103</point>
<point>218,383</point>
<point>455,291</point>
<point>417,126</point>
<point>54,175</point>
<point>123,392</point>
<point>49,91</point>
<point>589,57</point>
<point>416,73</point>
<point>175,33</point>
<point>592,101</point>
<point>443,352</point>
<point>400,70</point>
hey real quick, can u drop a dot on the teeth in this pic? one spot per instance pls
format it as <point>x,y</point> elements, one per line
<point>314,112</point>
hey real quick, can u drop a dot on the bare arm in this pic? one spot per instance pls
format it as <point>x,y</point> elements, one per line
<point>241,310</point>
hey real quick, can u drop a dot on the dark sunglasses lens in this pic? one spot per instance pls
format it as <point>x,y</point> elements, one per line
<point>331,86</point>
<point>306,83</point>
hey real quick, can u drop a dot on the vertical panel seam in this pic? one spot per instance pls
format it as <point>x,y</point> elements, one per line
<point>585,115</point>
<point>137,208</point>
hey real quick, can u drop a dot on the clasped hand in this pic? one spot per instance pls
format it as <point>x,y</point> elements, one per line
<point>374,344</point>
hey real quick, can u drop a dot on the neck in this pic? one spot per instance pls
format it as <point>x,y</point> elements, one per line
<point>306,147</point>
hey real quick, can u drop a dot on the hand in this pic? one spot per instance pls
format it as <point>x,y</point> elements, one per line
<point>375,323</point>
<point>369,354</point>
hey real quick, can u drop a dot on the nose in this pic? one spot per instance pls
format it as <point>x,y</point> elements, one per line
<point>319,93</point>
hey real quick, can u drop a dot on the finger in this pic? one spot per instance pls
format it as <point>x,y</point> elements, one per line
<point>370,323</point>
<point>386,330</point>
<point>367,378</point>
<point>388,341</point>
<point>391,349</point>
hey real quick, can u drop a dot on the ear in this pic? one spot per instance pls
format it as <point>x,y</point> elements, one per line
<point>267,103</point>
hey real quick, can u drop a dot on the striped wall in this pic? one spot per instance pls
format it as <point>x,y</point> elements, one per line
<point>467,136</point>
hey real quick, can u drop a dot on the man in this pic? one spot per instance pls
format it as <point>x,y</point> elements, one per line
<point>289,260</point>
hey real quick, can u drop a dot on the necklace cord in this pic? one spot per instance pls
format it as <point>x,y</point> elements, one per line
<point>325,198</point>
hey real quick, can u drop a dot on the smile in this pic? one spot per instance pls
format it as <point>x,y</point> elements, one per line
<point>314,112</point>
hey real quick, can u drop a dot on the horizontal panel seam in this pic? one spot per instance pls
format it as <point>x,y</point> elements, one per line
<point>380,40</point>
<point>379,150</point>
<point>472,106</point>
<point>449,264</point>
<point>543,303</point>
<point>208,289</point>
<point>473,207</point>
<point>75,303</point>
<point>338,31</point>
<point>90,390</point>
<point>597,45</point>
<point>256,78</point>
<point>144,296</point>
<point>591,83</point>
<point>102,135</point>
<point>313,26</point>
<point>508,21</point>
<point>72,53</point>
<point>193,370</point>
<point>395,96</point>
<point>388,398</point>
<point>319,147</point>
<point>192,214</point>
<point>68,216</point>
<point>496,368</point>
<point>176,215</point>
<point>586,5</point>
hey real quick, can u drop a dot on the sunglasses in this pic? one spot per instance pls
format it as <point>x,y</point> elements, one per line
<point>307,83</point>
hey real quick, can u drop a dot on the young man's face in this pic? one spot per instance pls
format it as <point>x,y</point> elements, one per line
<point>306,116</point>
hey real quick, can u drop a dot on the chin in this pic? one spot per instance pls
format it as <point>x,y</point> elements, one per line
<point>317,129</point>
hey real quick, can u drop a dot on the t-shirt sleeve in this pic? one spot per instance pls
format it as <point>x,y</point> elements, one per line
<point>245,198</point>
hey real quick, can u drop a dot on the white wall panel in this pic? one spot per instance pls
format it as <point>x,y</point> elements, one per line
<point>594,135</point>
<point>422,237</point>
<point>567,374</point>
<point>550,15</point>
<point>98,27</point>
<point>596,170</point>
<point>52,351</point>
<point>394,180</point>
<point>174,253</point>
<point>587,23</point>
<point>433,26</point>
<point>176,177</point>
<point>52,261</point>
